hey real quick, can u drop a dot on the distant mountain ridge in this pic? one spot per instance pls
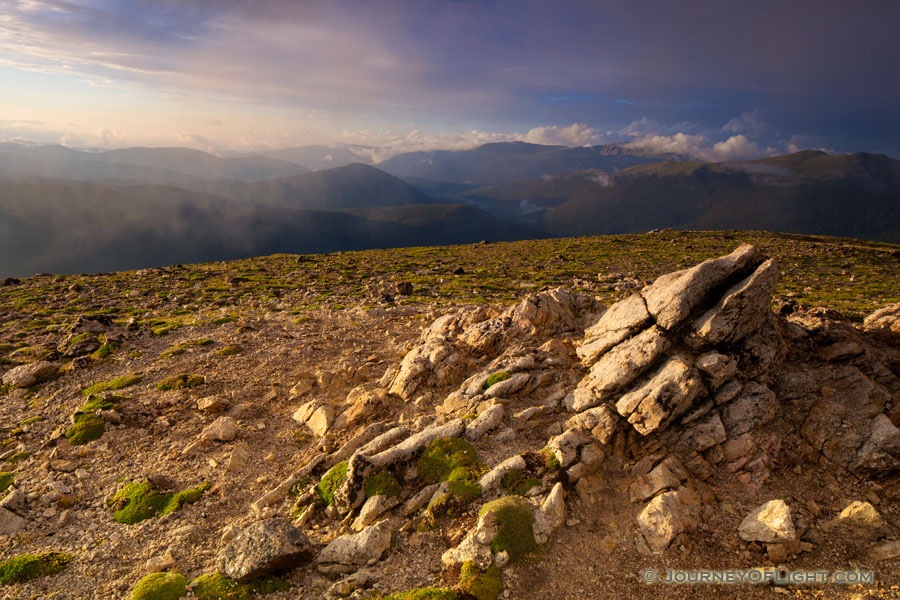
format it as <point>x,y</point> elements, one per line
<point>505,162</point>
<point>71,227</point>
<point>145,164</point>
<point>66,210</point>
<point>853,195</point>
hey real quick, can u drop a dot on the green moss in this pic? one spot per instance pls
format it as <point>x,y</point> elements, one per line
<point>103,351</point>
<point>87,426</point>
<point>517,484</point>
<point>381,483</point>
<point>550,459</point>
<point>188,496</point>
<point>215,586</point>
<point>455,461</point>
<point>482,586</point>
<point>228,350</point>
<point>164,329</point>
<point>138,501</point>
<point>18,456</point>
<point>331,481</point>
<point>114,384</point>
<point>31,566</point>
<point>6,480</point>
<point>497,378</point>
<point>180,381</point>
<point>175,350</point>
<point>424,594</point>
<point>515,531</point>
<point>81,337</point>
<point>205,342</point>
<point>222,320</point>
<point>299,486</point>
<point>160,586</point>
<point>30,420</point>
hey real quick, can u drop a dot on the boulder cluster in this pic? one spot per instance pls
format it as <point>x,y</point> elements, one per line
<point>691,381</point>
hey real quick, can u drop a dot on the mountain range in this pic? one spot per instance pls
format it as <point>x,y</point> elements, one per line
<point>64,210</point>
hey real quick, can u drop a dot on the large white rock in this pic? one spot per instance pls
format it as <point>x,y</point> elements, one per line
<point>770,522</point>
<point>622,320</point>
<point>489,419</point>
<point>668,393</point>
<point>742,309</point>
<point>412,444</point>
<point>619,367</point>
<point>674,296</point>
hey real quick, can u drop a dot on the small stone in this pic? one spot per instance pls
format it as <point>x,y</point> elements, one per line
<point>10,522</point>
<point>608,545</point>
<point>65,466</point>
<point>212,404</point>
<point>160,563</point>
<point>859,520</point>
<point>770,522</point>
<point>240,455</point>
<point>885,551</point>
<point>223,429</point>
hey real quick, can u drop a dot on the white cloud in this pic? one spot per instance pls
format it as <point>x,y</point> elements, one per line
<point>576,134</point>
<point>750,123</point>
<point>699,147</point>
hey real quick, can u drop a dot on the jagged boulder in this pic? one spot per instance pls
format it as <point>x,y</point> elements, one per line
<point>263,547</point>
<point>673,297</point>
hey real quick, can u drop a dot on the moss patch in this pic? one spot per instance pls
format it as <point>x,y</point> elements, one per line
<point>31,566</point>
<point>160,586</point>
<point>140,500</point>
<point>180,381</point>
<point>381,483</point>
<point>482,586</point>
<point>330,482</point>
<point>455,461</point>
<point>497,378</point>
<point>228,350</point>
<point>517,484</point>
<point>215,586</point>
<point>550,459</point>
<point>515,531</point>
<point>87,426</point>
<point>6,480</point>
<point>424,594</point>
<point>114,384</point>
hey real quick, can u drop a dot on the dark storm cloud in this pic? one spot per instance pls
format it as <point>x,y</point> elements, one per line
<point>804,64</point>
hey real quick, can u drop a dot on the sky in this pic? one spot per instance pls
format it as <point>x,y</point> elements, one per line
<point>714,80</point>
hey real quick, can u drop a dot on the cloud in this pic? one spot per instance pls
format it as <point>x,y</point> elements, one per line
<point>699,147</point>
<point>646,126</point>
<point>576,134</point>
<point>750,123</point>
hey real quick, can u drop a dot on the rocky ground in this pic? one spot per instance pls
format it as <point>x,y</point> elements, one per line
<point>361,436</point>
